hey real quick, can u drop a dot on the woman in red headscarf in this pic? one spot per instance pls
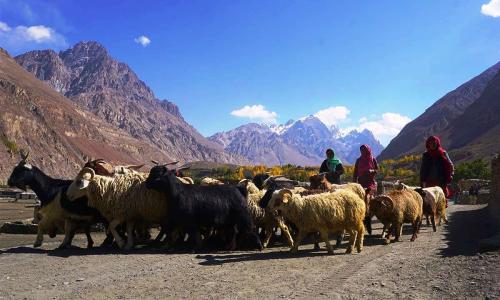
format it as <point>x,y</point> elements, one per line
<point>436,168</point>
<point>365,169</point>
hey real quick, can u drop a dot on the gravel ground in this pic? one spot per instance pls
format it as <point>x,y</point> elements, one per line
<point>442,265</point>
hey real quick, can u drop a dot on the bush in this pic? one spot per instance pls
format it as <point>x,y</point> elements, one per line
<point>477,169</point>
<point>11,146</point>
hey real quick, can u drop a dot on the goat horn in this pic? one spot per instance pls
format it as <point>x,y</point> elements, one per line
<point>24,156</point>
<point>171,163</point>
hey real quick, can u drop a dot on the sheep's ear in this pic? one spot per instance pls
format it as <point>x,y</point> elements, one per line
<point>285,195</point>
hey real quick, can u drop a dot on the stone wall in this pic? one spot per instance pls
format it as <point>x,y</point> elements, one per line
<point>495,190</point>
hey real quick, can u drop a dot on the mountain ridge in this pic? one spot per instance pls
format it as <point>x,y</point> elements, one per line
<point>89,76</point>
<point>445,114</point>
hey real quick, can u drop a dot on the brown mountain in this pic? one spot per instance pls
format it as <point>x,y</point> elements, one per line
<point>109,89</point>
<point>57,132</point>
<point>459,118</point>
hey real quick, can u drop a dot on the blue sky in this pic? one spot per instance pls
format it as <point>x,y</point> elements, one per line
<point>360,64</point>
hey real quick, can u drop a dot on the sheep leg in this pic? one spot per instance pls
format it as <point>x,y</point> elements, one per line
<point>130,236</point>
<point>90,241</point>
<point>39,234</point>
<point>285,231</point>
<point>384,230</point>
<point>317,238</point>
<point>69,233</point>
<point>298,239</point>
<point>267,236</point>
<point>340,238</point>
<point>352,240</point>
<point>230,234</point>
<point>433,223</point>
<point>112,227</point>
<point>324,237</point>
<point>427,220</point>
<point>108,241</point>
<point>444,217</point>
<point>415,225</point>
<point>388,235</point>
<point>368,224</point>
<point>399,231</point>
<point>359,237</point>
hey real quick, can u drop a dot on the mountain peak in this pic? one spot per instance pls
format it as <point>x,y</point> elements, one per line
<point>109,89</point>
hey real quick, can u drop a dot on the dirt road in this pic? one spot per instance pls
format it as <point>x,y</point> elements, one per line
<point>444,264</point>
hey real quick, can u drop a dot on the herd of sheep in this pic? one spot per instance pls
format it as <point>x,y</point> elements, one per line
<point>212,214</point>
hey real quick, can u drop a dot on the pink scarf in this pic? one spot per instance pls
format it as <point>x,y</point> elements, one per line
<point>365,161</point>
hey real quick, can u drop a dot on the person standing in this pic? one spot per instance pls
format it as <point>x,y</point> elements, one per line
<point>332,166</point>
<point>436,168</point>
<point>365,169</point>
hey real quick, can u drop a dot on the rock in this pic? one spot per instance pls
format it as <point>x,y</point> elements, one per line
<point>18,228</point>
<point>80,279</point>
<point>66,283</point>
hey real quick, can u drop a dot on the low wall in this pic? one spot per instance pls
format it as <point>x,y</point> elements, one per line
<point>494,202</point>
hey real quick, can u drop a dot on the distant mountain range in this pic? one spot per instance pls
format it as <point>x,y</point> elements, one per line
<point>467,119</point>
<point>302,142</point>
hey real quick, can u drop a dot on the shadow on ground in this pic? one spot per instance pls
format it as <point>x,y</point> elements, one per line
<point>465,230</point>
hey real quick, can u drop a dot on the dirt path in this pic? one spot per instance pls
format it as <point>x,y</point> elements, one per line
<point>438,265</point>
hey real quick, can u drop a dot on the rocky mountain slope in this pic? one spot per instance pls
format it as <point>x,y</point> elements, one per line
<point>36,118</point>
<point>89,76</point>
<point>447,118</point>
<point>301,142</point>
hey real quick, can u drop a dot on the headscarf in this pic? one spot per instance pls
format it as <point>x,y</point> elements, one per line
<point>439,153</point>
<point>332,163</point>
<point>365,161</point>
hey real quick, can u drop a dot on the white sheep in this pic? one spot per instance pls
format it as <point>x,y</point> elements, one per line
<point>436,195</point>
<point>323,213</point>
<point>210,181</point>
<point>261,217</point>
<point>121,200</point>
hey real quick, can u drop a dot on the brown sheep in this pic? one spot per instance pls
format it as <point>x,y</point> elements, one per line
<point>398,207</point>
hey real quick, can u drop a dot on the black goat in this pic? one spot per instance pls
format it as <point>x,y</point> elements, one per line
<point>192,207</point>
<point>52,195</point>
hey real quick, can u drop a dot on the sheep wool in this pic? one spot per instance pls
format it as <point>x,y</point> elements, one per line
<point>330,212</point>
<point>398,207</point>
<point>124,199</point>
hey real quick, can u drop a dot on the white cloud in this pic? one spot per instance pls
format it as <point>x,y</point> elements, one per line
<point>332,115</point>
<point>256,112</point>
<point>24,36</point>
<point>491,9</point>
<point>386,127</point>
<point>143,40</point>
<point>4,27</point>
<point>38,34</point>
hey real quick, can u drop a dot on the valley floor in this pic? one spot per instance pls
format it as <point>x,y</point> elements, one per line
<point>444,264</point>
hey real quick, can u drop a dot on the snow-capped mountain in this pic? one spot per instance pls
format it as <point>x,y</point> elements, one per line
<point>302,142</point>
